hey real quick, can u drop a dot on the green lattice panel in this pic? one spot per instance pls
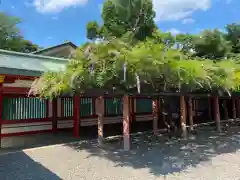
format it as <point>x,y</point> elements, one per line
<point>113,106</point>
<point>23,108</point>
<point>86,107</point>
<point>143,105</point>
<point>67,107</point>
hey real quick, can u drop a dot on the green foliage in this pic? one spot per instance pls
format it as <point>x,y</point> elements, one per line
<point>233,35</point>
<point>211,44</point>
<point>185,42</point>
<point>93,30</point>
<point>150,67</point>
<point>10,38</point>
<point>123,16</point>
<point>134,56</point>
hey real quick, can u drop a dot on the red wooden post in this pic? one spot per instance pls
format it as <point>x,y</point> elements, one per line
<point>100,113</point>
<point>1,112</point>
<point>54,114</point>
<point>76,115</point>
<point>126,123</point>
<point>156,109</point>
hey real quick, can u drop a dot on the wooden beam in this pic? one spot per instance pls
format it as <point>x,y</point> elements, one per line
<point>216,113</point>
<point>100,113</point>
<point>76,115</point>
<point>156,109</point>
<point>126,123</point>
<point>183,116</point>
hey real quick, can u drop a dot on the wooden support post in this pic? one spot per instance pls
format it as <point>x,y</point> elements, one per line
<point>216,113</point>
<point>194,109</point>
<point>54,114</point>
<point>190,113</point>
<point>210,108</point>
<point>225,109</point>
<point>76,115</point>
<point>1,107</point>
<point>126,123</point>
<point>156,109</point>
<point>100,113</point>
<point>238,107</point>
<point>133,111</point>
<point>234,108</point>
<point>1,113</point>
<point>183,116</point>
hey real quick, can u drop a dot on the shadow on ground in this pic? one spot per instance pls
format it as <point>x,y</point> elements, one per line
<point>163,156</point>
<point>20,166</point>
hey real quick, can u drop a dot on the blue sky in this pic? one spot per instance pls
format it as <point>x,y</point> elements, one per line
<point>50,22</point>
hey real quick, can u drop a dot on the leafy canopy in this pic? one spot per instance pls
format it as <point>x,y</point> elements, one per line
<point>10,38</point>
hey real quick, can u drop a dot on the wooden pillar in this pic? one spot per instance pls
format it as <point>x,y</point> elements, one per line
<point>133,109</point>
<point>76,115</point>
<point>100,113</point>
<point>234,108</point>
<point>1,107</point>
<point>1,113</point>
<point>225,109</point>
<point>126,123</point>
<point>183,116</point>
<point>238,107</point>
<point>216,113</point>
<point>54,114</point>
<point>156,109</point>
<point>210,108</point>
<point>190,113</point>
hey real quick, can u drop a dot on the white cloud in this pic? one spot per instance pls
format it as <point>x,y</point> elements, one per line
<point>178,9</point>
<point>51,6</point>
<point>188,21</point>
<point>174,31</point>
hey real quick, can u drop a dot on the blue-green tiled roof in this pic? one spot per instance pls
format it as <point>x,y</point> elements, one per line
<point>27,64</point>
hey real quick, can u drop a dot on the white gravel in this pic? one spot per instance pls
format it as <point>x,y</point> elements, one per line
<point>208,156</point>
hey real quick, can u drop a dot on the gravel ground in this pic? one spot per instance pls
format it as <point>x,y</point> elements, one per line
<point>207,156</point>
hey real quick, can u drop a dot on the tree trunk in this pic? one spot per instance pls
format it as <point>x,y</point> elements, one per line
<point>217,113</point>
<point>190,113</point>
<point>183,117</point>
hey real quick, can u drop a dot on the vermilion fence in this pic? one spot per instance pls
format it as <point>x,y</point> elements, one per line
<point>22,108</point>
<point>36,113</point>
<point>19,108</point>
